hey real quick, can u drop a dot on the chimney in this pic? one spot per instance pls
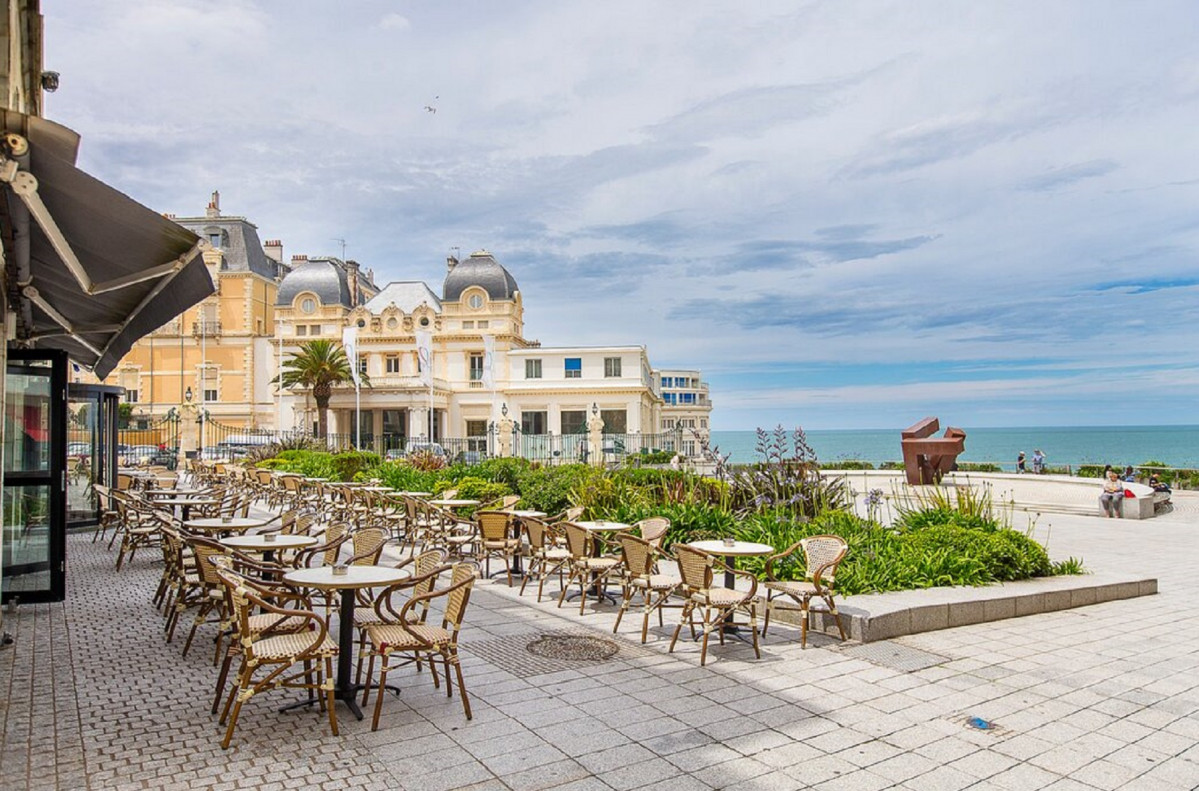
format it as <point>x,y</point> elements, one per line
<point>352,282</point>
<point>214,205</point>
<point>274,250</point>
<point>298,260</point>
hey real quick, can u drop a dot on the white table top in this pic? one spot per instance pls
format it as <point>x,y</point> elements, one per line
<point>739,548</point>
<point>600,524</point>
<point>175,492</point>
<point>187,501</point>
<point>415,494</point>
<point>355,577</point>
<point>224,523</point>
<point>258,542</point>
<point>454,503</point>
<point>533,514</point>
<point>375,488</point>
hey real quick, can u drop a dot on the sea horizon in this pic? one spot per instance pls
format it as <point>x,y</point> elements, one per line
<point>1175,445</point>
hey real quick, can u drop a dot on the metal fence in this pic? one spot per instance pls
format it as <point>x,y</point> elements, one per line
<point>222,441</point>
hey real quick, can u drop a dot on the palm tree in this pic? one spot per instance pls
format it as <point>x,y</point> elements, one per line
<point>318,366</point>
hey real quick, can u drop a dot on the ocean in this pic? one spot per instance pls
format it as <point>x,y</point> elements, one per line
<point>1175,446</point>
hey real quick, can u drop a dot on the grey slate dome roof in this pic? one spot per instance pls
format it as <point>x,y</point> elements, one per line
<point>482,270</point>
<point>321,276</point>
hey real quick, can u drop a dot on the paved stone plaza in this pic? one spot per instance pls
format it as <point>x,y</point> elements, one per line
<point>1100,697</point>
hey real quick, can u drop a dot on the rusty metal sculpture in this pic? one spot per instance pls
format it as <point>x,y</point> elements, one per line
<point>927,458</point>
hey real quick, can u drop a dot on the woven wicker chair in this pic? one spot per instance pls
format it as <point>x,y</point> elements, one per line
<point>277,652</point>
<point>210,593</point>
<point>426,568</point>
<point>368,546</point>
<point>109,518</point>
<point>716,602</point>
<point>496,540</point>
<point>136,525</point>
<point>545,557</point>
<point>590,570</point>
<point>641,577</point>
<point>653,530</point>
<point>821,556</point>
<point>403,637</point>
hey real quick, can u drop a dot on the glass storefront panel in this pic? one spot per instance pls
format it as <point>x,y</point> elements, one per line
<point>27,539</point>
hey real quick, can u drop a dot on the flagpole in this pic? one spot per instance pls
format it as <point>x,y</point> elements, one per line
<point>357,417</point>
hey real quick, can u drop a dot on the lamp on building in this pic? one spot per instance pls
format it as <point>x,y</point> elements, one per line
<point>594,408</point>
<point>188,395</point>
<point>504,409</point>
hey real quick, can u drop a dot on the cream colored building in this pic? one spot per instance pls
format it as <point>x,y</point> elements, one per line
<point>220,358</point>
<point>542,395</point>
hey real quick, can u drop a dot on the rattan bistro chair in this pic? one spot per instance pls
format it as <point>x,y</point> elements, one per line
<point>546,556</point>
<point>641,577</point>
<point>822,555</point>
<point>717,603</point>
<point>586,565</point>
<point>404,637</point>
<point>653,530</point>
<point>277,653</point>
<point>496,540</point>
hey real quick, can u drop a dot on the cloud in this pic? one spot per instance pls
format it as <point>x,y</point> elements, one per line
<point>1148,285</point>
<point>395,22</point>
<point>1065,176</point>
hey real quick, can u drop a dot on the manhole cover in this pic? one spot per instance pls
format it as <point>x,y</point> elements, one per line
<point>896,656</point>
<point>578,648</point>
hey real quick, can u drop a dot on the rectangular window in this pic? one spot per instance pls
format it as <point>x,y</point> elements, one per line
<point>393,363</point>
<point>533,422</point>
<point>130,396</point>
<point>476,435</point>
<point>210,395</point>
<point>703,422</point>
<point>686,398</point>
<point>301,329</point>
<point>362,360</point>
<point>315,329</point>
<point>670,398</point>
<point>532,369</point>
<point>483,324</point>
<point>574,369</point>
<point>616,421</point>
<point>468,325</point>
<point>476,367</point>
<point>612,368</point>
<point>574,422</point>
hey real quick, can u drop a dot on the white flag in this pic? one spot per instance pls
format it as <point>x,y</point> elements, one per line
<point>349,339</point>
<point>424,356</point>
<point>488,358</point>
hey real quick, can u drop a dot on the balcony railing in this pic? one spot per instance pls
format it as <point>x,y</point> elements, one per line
<point>203,328</point>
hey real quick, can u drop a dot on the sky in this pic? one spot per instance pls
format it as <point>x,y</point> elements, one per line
<point>845,214</point>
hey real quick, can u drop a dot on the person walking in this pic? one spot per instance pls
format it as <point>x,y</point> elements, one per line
<point>1038,462</point>
<point>1020,463</point>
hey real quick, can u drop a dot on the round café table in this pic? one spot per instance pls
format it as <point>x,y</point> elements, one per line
<point>454,503</point>
<point>181,493</point>
<point>355,578</point>
<point>224,524</point>
<point>267,543</point>
<point>185,504</point>
<point>730,553</point>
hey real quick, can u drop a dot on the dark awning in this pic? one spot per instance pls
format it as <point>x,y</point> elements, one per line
<point>95,270</point>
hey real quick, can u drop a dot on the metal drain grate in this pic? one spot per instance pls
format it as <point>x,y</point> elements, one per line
<point>516,654</point>
<point>895,656</point>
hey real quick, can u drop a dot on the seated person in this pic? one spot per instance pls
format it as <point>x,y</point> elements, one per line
<point>1157,484</point>
<point>1112,498</point>
<point>1129,475</point>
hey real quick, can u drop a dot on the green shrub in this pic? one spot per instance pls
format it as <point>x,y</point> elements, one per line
<point>505,471</point>
<point>474,488</point>
<point>404,477</point>
<point>846,464</point>
<point>548,488</point>
<point>347,465</point>
<point>974,466</point>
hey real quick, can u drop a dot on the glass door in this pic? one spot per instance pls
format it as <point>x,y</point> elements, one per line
<point>34,497</point>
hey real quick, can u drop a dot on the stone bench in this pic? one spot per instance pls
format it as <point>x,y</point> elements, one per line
<point>1141,504</point>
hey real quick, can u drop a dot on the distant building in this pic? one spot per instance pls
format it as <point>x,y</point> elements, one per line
<point>686,406</point>
<point>226,353</point>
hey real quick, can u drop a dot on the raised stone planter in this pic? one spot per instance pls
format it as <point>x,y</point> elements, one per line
<point>881,616</point>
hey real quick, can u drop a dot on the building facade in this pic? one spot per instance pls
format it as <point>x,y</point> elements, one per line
<point>219,360</point>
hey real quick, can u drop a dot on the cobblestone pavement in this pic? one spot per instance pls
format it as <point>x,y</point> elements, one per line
<point>1101,697</point>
